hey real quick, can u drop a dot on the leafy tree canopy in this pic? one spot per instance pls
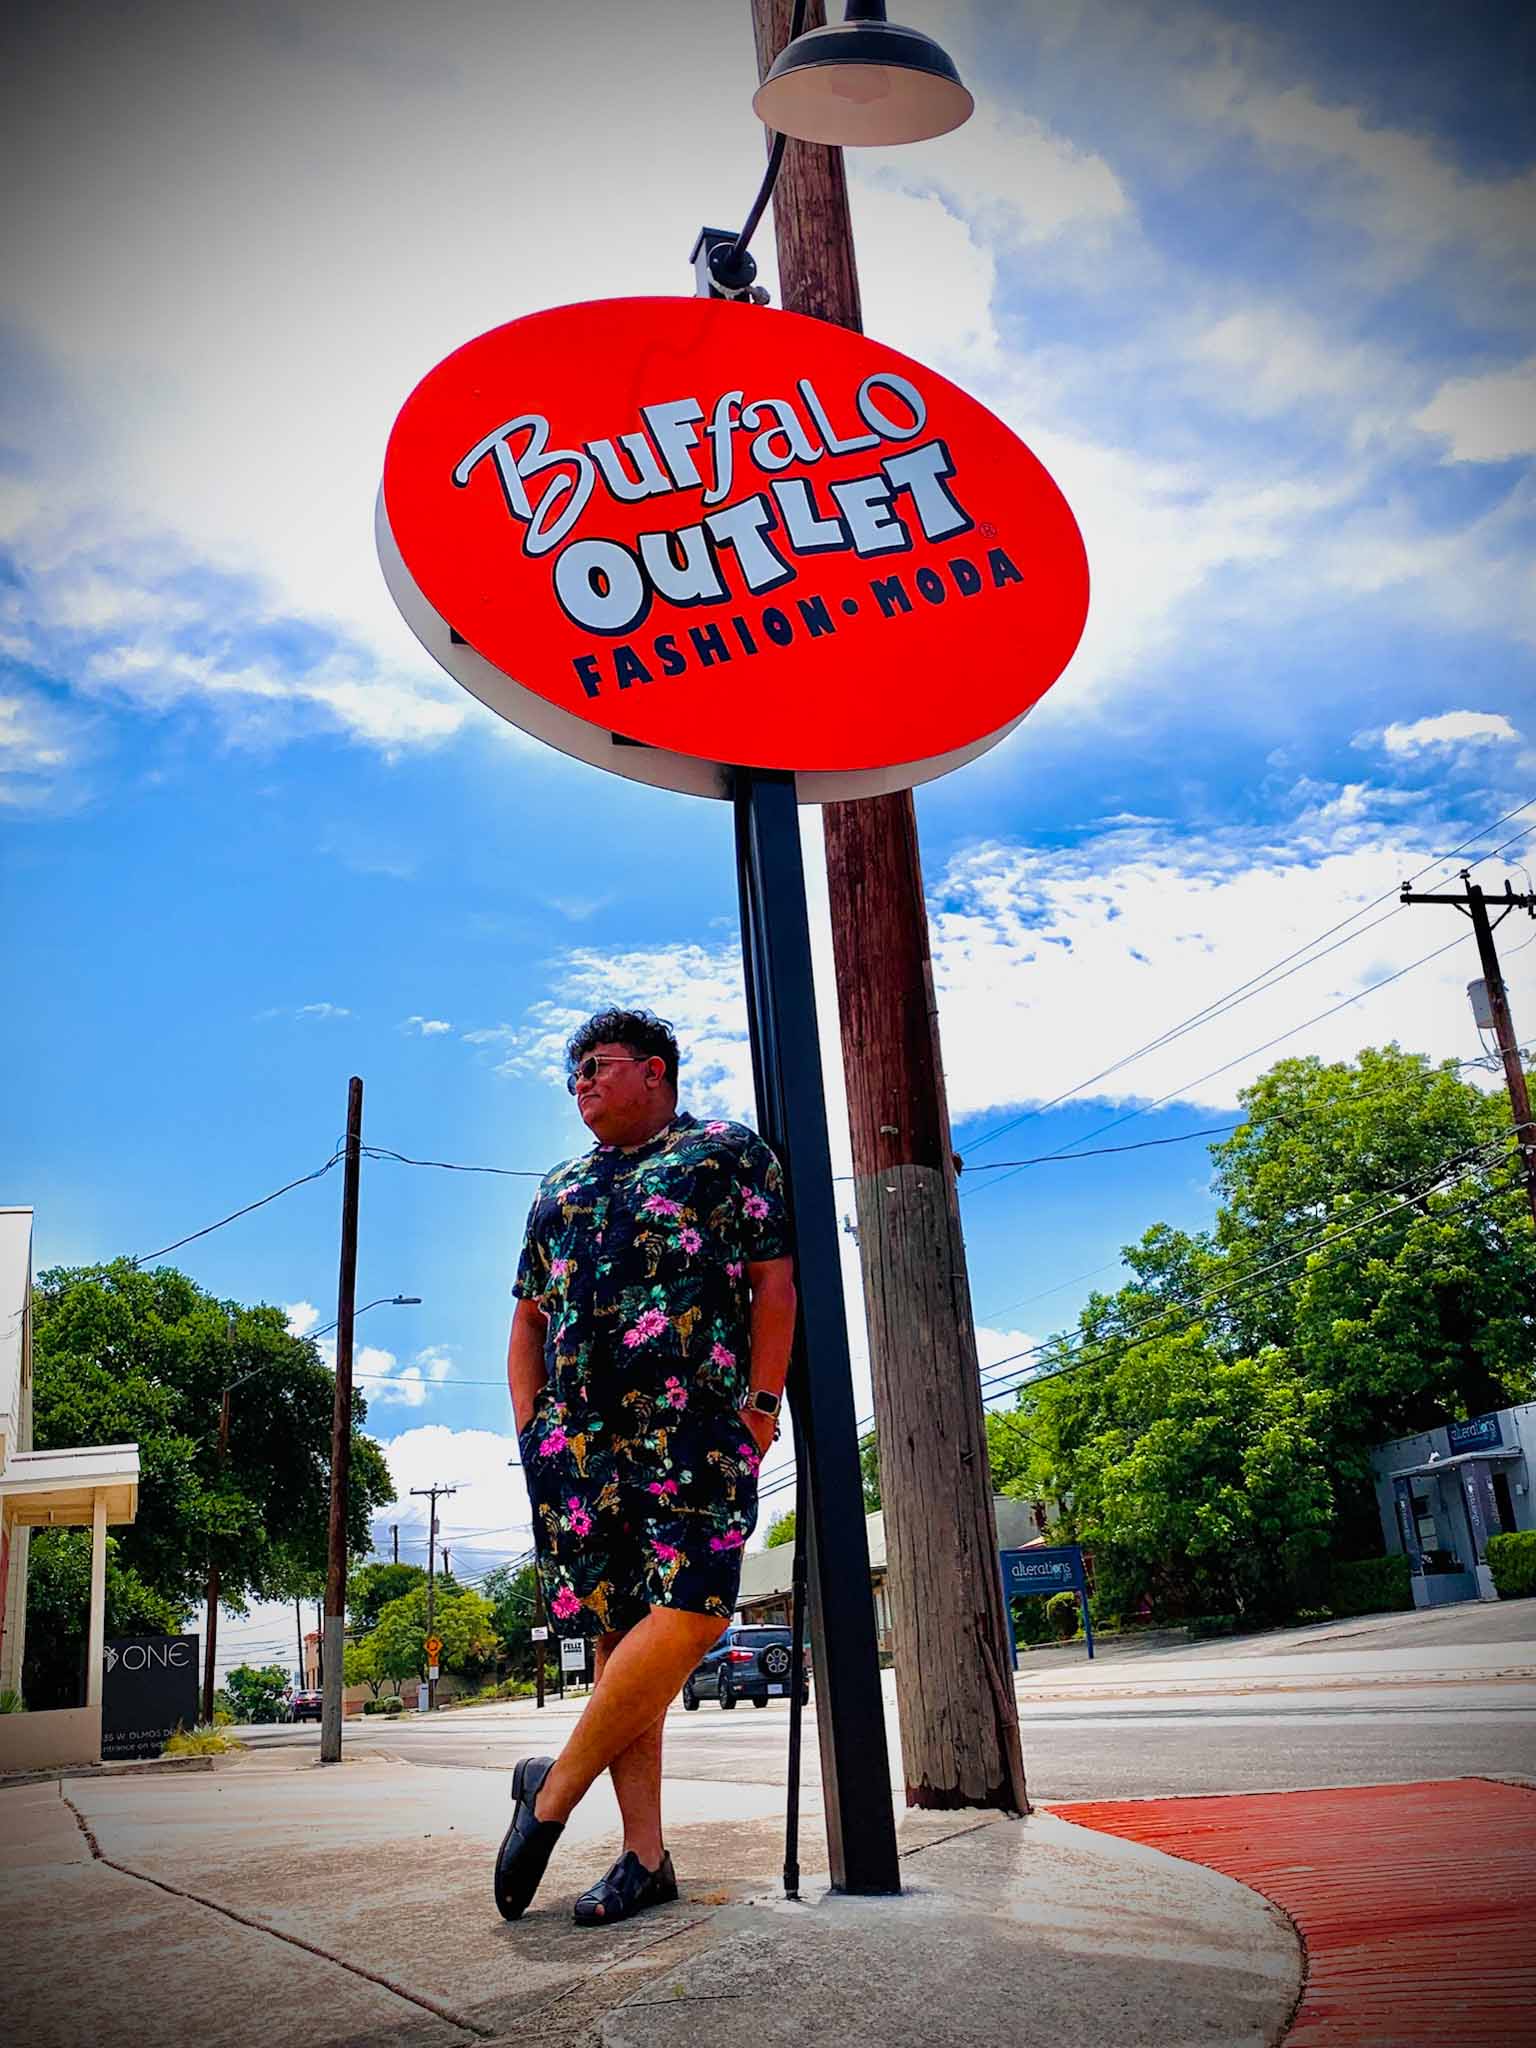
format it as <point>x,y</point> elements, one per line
<point>371,1588</point>
<point>513,1595</point>
<point>869,1467</point>
<point>1371,1272</point>
<point>780,1530</point>
<point>122,1355</point>
<point>256,1695</point>
<point>463,1620</point>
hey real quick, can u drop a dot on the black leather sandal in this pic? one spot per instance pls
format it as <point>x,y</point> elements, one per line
<point>628,1888</point>
<point>528,1843</point>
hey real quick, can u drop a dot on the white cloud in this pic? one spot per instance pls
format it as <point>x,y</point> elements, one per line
<point>322,1012</point>
<point>1486,419</point>
<point>1048,953</point>
<point>385,1382</point>
<point>1011,173</point>
<point>698,989</point>
<point>484,1521</point>
<point>1449,729</point>
<point>302,1317</point>
<point>426,1027</point>
<point>1404,194</point>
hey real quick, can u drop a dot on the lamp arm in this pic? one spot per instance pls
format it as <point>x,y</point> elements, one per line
<point>729,263</point>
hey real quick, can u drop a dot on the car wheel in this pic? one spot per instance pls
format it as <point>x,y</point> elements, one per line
<point>727,1697</point>
<point>690,1699</point>
<point>762,1702</point>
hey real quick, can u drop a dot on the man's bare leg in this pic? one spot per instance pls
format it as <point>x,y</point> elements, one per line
<point>636,1774</point>
<point>641,1676</point>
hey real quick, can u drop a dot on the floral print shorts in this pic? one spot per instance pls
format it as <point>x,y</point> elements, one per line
<point>616,1534</point>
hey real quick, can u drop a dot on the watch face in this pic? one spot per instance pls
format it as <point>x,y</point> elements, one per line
<point>765,1404</point>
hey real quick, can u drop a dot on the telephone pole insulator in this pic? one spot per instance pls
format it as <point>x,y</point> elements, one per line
<point>1474,903</point>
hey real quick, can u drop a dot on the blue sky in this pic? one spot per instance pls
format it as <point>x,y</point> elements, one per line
<point>1259,295</point>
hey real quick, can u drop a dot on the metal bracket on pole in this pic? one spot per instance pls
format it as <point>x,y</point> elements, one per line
<point>786,1065</point>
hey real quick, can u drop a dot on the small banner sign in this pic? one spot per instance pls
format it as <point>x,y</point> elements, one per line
<point>149,1689</point>
<point>573,1653</point>
<point>672,535</point>
<point>1482,1433</point>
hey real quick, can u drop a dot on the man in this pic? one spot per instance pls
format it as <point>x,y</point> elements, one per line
<point>655,1313</point>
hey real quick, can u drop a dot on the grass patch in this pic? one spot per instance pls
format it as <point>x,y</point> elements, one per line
<point>201,1742</point>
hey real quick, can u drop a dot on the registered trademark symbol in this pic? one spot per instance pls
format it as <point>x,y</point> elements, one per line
<point>987,530</point>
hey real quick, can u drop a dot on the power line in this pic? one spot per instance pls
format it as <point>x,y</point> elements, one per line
<point>1492,1147</point>
<point>1253,1051</point>
<point>1245,989</point>
<point>234,1216</point>
<point>1101,1151</point>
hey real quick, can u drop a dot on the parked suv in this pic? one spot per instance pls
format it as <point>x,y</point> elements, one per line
<point>306,1706</point>
<point>746,1664</point>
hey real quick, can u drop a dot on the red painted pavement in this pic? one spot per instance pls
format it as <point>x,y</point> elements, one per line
<point>1416,1903</point>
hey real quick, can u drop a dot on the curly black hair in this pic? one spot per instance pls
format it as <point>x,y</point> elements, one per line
<point>642,1031</point>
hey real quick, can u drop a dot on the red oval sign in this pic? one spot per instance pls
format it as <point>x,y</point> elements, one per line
<point>735,534</point>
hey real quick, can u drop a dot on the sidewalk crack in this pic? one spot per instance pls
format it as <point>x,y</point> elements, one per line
<point>325,1955</point>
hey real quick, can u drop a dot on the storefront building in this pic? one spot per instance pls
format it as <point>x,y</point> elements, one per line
<point>91,1487</point>
<point>1443,1494</point>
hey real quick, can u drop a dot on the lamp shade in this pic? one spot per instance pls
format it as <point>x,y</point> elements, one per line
<point>862,82</point>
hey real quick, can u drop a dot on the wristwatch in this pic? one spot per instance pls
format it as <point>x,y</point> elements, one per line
<point>761,1402</point>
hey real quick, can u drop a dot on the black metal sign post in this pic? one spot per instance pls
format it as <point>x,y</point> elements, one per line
<point>786,1064</point>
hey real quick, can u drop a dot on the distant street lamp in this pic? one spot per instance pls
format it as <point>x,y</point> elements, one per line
<point>384,1300</point>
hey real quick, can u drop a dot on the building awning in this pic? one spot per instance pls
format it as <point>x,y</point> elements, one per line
<point>57,1489</point>
<point>1428,1471</point>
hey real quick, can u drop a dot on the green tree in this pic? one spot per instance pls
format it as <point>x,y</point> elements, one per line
<point>371,1587</point>
<point>869,1468</point>
<point>58,1607</point>
<point>780,1530</point>
<point>464,1621</point>
<point>128,1356</point>
<point>1193,1477</point>
<point>360,1665</point>
<point>512,1594</point>
<point>256,1695</point>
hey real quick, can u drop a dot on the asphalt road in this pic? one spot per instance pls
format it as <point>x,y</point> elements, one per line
<point>1135,1726</point>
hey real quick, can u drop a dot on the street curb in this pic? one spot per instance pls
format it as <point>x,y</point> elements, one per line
<point>146,1767</point>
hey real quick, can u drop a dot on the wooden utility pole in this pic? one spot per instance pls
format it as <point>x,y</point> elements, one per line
<point>432,1494</point>
<point>213,1567</point>
<point>959,1725</point>
<point>1474,904</point>
<point>334,1626</point>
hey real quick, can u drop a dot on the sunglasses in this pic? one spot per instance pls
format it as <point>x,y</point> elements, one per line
<point>586,1070</point>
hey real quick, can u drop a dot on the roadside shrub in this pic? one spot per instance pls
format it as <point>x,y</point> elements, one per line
<point>12,1702</point>
<point>1064,1615</point>
<point>1030,1624</point>
<point>1310,1615</point>
<point>201,1742</point>
<point>1512,1560</point>
<point>1204,1625</point>
<point>1371,1585</point>
<point>394,1706</point>
<point>373,1706</point>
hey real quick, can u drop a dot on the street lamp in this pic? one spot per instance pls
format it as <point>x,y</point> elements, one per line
<point>384,1300</point>
<point>863,81</point>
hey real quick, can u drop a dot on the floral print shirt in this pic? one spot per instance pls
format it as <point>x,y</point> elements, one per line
<point>639,1260</point>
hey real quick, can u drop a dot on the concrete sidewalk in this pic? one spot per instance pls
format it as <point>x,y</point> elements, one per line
<point>353,1904</point>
